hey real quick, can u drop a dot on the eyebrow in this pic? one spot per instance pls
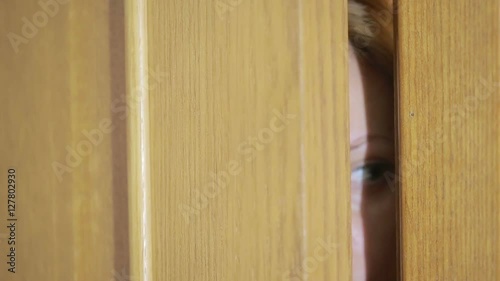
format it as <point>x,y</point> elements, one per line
<point>368,138</point>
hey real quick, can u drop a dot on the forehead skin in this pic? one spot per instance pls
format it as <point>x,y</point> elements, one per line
<point>371,102</point>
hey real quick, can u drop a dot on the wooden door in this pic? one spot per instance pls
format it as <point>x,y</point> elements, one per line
<point>176,140</point>
<point>63,149</point>
<point>248,131</point>
<point>449,133</point>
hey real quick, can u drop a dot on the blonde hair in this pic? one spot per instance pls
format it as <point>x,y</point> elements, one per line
<point>371,32</point>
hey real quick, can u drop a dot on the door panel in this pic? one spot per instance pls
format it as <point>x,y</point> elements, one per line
<point>185,140</point>
<point>449,111</point>
<point>62,69</point>
<point>249,150</point>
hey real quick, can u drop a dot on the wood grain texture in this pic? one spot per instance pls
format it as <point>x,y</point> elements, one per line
<point>249,132</point>
<point>449,101</point>
<point>325,134</point>
<point>58,89</point>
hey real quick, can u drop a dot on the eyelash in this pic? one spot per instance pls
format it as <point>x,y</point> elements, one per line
<point>378,172</point>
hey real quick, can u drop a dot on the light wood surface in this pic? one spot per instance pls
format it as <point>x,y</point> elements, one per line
<point>449,101</point>
<point>231,71</point>
<point>254,92</point>
<point>325,135</point>
<point>138,149</point>
<point>60,85</point>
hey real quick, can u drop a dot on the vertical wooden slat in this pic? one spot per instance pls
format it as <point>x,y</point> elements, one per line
<point>325,145</point>
<point>248,133</point>
<point>61,73</point>
<point>449,113</point>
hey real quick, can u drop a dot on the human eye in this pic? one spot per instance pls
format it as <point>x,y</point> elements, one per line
<point>372,173</point>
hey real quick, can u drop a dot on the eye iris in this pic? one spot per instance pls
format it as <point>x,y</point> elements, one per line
<point>372,172</point>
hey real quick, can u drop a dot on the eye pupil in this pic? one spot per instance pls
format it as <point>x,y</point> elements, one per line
<point>372,172</point>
